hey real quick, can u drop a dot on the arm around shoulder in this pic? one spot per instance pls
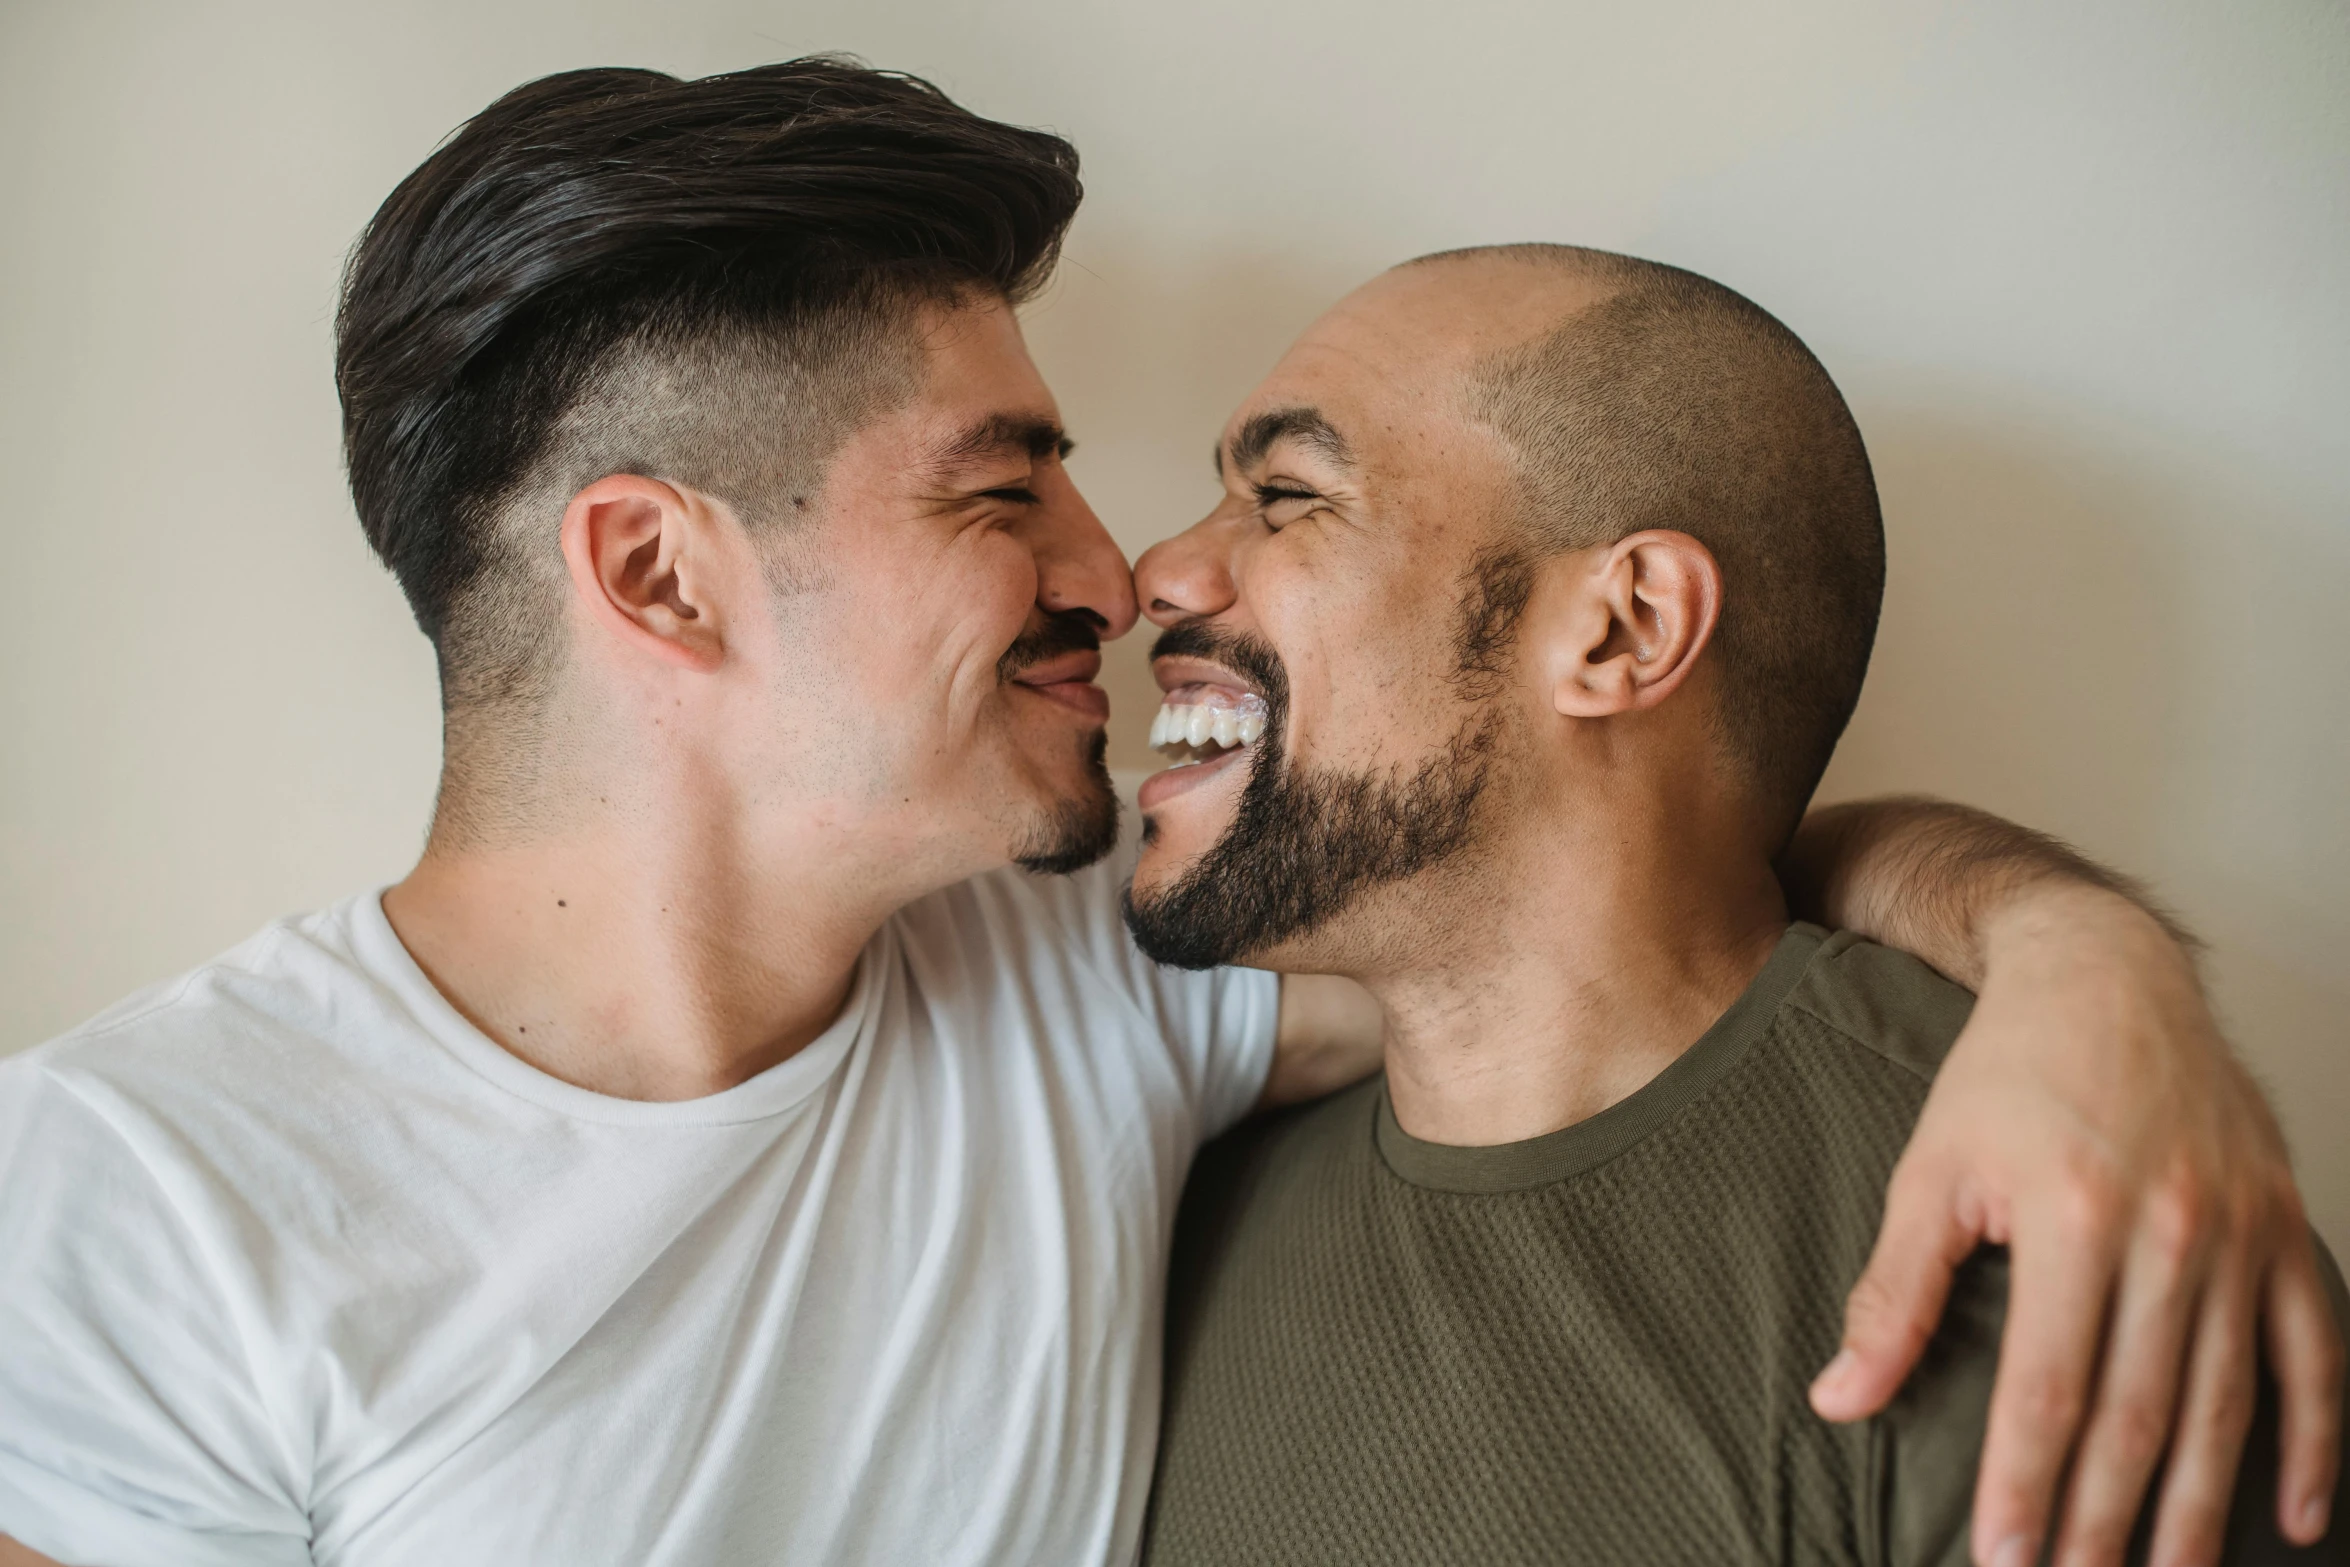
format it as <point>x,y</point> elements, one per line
<point>2091,1118</point>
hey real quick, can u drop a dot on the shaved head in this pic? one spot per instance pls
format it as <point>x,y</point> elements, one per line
<point>1415,567</point>
<point>1649,397</point>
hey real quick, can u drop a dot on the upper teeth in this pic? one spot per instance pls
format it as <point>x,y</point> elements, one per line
<point>1223,720</point>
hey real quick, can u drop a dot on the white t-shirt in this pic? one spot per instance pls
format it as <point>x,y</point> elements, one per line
<point>296,1265</point>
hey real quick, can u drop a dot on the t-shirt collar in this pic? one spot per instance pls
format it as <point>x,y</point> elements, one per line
<point>378,950</point>
<point>1569,1151</point>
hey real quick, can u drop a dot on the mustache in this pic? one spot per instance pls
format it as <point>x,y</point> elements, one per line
<point>1251,658</point>
<point>1063,631</point>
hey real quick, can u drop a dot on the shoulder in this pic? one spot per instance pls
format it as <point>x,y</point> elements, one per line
<point>1014,917</point>
<point>1882,1000</point>
<point>1930,1437</point>
<point>1057,946</point>
<point>1269,1155</point>
<point>98,1218</point>
<point>220,1103</point>
<point>1257,1193</point>
<point>241,1027</point>
<point>128,1334</point>
<point>1045,954</point>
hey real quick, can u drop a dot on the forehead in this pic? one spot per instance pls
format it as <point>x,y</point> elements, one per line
<point>969,407</point>
<point>973,352</point>
<point>974,399</point>
<point>1389,366</point>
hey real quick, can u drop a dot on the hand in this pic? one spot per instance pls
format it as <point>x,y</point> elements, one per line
<point>2090,1118</point>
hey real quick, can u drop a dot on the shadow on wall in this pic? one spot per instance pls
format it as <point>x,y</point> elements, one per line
<point>2069,640</point>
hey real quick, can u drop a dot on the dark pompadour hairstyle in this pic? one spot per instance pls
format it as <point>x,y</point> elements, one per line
<point>1677,403</point>
<point>618,271</point>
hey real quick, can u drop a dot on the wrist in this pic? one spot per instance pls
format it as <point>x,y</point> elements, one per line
<point>2058,922</point>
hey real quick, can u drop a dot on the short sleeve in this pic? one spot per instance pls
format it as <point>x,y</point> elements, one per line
<point>1219,1023</point>
<point>1226,1021</point>
<point>131,1431</point>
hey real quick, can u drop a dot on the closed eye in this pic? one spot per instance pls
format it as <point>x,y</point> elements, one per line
<point>1018,496</point>
<point>1282,504</point>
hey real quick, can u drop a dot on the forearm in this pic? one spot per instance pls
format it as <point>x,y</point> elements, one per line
<point>1945,881</point>
<point>1329,1037</point>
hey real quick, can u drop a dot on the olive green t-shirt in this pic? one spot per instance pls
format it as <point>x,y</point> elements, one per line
<point>1592,1346</point>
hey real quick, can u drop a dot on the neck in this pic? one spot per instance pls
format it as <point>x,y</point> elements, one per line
<point>1614,940</point>
<point>647,948</point>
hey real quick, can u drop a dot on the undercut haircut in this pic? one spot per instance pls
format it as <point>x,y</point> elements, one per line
<point>1675,403</point>
<point>709,282</point>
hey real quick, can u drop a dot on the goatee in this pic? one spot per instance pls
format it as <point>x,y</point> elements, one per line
<point>1303,846</point>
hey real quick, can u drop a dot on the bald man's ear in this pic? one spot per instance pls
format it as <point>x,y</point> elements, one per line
<point>644,559</point>
<point>1618,628</point>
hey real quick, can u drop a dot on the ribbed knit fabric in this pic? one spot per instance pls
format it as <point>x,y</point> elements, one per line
<point>1591,1347</point>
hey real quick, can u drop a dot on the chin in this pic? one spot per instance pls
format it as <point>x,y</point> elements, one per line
<point>1078,826</point>
<point>1157,867</point>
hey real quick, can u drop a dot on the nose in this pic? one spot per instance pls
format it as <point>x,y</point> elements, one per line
<point>1079,567</point>
<point>1187,576</point>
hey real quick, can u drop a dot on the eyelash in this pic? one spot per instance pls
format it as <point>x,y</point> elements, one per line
<point>1268,494</point>
<point>1022,495</point>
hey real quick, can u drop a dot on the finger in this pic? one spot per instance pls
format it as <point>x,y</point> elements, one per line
<point>2065,1259</point>
<point>2137,1392</point>
<point>2305,1352</point>
<point>2192,1519</point>
<point>1891,1312</point>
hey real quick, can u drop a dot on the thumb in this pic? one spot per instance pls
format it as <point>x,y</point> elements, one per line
<point>1892,1311</point>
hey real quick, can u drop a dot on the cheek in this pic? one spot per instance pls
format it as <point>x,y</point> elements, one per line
<point>1367,659</point>
<point>977,603</point>
<point>913,618</point>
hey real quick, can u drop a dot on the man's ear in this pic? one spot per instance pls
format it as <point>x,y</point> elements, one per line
<point>642,560</point>
<point>1624,624</point>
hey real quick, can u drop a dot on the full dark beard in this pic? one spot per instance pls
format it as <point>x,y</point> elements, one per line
<point>1078,831</point>
<point>1302,847</point>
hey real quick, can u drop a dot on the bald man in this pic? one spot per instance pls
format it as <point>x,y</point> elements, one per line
<point>1545,584</point>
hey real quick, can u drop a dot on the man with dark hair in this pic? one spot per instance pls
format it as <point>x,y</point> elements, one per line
<point>1549,578</point>
<point>723,1146</point>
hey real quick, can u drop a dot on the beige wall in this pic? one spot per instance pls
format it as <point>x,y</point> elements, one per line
<point>2080,268</point>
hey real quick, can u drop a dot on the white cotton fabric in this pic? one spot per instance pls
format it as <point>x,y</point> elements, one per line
<point>296,1265</point>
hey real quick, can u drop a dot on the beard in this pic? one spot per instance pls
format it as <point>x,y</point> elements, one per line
<point>1304,845</point>
<point>1080,830</point>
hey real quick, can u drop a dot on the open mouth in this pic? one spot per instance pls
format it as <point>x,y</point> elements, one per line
<point>1203,723</point>
<point>1210,717</point>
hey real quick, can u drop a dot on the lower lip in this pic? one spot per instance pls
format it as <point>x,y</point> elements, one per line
<point>1080,696</point>
<point>1159,788</point>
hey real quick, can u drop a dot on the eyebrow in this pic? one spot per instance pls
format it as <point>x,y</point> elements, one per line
<point>1305,425</point>
<point>1032,434</point>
